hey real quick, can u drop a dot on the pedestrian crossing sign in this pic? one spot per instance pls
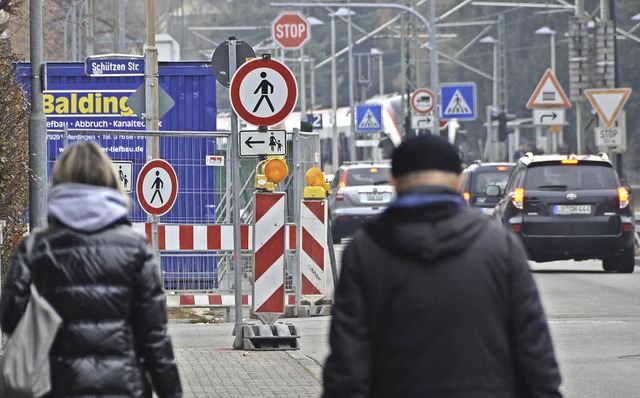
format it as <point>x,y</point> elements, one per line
<point>458,101</point>
<point>368,118</point>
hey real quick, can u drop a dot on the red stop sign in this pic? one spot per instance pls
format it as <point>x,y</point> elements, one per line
<point>290,30</point>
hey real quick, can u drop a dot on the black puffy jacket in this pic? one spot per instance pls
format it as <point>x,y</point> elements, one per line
<point>105,286</point>
<point>438,301</point>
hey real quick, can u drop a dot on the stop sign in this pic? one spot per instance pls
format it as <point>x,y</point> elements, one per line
<point>290,30</point>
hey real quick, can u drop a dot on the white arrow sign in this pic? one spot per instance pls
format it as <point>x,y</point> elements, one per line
<point>268,143</point>
<point>548,116</point>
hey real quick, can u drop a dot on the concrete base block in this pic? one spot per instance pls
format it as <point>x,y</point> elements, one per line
<point>279,336</point>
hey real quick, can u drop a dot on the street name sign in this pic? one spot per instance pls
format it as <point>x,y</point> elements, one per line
<point>263,91</point>
<point>111,65</point>
<point>258,143</point>
<point>608,102</point>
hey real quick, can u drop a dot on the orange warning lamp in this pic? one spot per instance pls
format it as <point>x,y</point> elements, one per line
<point>274,170</point>
<point>318,186</point>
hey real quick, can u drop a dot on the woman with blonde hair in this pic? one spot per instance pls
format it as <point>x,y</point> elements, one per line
<point>102,279</point>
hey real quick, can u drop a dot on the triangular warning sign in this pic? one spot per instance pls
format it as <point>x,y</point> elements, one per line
<point>369,121</point>
<point>608,102</point>
<point>549,93</point>
<point>457,105</point>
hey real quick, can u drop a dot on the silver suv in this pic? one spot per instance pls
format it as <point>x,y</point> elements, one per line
<point>359,191</point>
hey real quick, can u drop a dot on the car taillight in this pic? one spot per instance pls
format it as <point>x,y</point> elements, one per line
<point>623,197</point>
<point>517,198</point>
<point>341,185</point>
<point>466,196</point>
<point>516,227</point>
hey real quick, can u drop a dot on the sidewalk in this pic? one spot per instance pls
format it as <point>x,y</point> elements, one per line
<point>209,366</point>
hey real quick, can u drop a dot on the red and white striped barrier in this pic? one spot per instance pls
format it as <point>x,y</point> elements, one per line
<point>269,242</point>
<point>184,237</point>
<point>204,300</point>
<point>313,226</point>
<point>212,300</point>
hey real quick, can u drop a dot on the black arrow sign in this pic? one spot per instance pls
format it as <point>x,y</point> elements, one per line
<point>249,142</point>
<point>552,115</point>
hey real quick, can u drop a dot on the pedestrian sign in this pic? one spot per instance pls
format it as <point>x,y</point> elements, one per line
<point>458,100</point>
<point>124,172</point>
<point>548,93</point>
<point>263,91</point>
<point>157,187</point>
<point>257,143</point>
<point>368,118</point>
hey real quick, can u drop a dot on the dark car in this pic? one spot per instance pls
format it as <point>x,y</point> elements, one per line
<point>359,191</point>
<point>570,207</point>
<point>479,177</point>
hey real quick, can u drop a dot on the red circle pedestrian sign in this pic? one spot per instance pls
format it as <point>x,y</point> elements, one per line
<point>157,187</point>
<point>263,92</point>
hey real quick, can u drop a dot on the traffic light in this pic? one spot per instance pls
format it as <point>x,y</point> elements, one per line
<point>502,119</point>
<point>269,172</point>
<point>318,185</point>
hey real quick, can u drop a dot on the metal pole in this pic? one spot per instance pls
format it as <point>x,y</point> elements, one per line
<point>234,163</point>
<point>381,73</point>
<point>303,88</point>
<point>579,11</point>
<point>122,48</point>
<point>312,73</point>
<point>151,105</point>
<point>495,75</point>
<point>297,204</point>
<point>352,116</point>
<point>334,98</point>
<point>434,65</point>
<point>37,123</point>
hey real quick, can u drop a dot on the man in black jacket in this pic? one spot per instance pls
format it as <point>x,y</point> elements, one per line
<point>435,299</point>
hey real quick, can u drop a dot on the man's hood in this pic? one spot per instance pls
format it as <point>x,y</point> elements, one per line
<point>434,224</point>
<point>86,208</point>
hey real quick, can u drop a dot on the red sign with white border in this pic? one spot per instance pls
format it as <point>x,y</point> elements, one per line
<point>290,30</point>
<point>157,187</point>
<point>422,101</point>
<point>263,92</point>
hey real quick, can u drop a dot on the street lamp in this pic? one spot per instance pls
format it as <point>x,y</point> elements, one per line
<point>340,12</point>
<point>545,30</point>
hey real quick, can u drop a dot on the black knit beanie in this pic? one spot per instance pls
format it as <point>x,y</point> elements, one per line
<point>425,152</point>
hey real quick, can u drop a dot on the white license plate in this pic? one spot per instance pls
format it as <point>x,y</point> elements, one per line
<point>568,210</point>
<point>374,197</point>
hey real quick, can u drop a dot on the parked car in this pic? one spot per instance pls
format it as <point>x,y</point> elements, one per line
<point>478,177</point>
<point>570,207</point>
<point>359,191</point>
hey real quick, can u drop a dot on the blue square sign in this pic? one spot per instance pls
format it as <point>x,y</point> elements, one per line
<point>368,118</point>
<point>458,101</point>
